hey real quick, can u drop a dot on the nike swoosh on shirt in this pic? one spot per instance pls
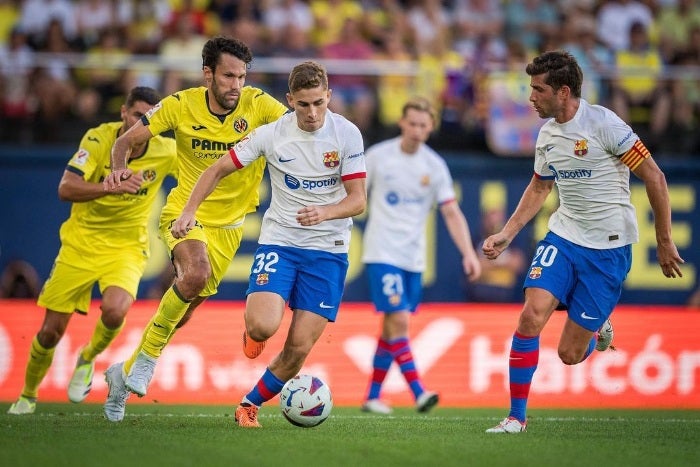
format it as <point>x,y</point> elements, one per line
<point>198,127</point>
<point>286,160</point>
<point>323,305</point>
<point>585,316</point>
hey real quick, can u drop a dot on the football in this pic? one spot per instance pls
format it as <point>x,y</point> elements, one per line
<point>306,401</point>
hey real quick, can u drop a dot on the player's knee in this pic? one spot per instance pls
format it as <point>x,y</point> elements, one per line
<point>49,337</point>
<point>194,279</point>
<point>570,356</point>
<point>113,315</point>
<point>258,331</point>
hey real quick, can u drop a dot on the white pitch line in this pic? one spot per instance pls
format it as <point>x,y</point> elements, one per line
<point>393,417</point>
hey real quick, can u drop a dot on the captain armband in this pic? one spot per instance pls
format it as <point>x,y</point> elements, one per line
<point>636,155</point>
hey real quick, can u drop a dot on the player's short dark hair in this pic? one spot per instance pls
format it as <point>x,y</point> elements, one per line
<point>308,75</point>
<point>143,94</point>
<point>561,69</point>
<point>214,47</point>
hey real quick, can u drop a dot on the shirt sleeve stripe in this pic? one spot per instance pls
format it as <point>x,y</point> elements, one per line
<point>354,176</point>
<point>235,160</point>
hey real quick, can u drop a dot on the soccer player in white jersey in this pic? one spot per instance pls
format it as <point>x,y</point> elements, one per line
<point>405,179</point>
<point>581,263</point>
<point>316,163</point>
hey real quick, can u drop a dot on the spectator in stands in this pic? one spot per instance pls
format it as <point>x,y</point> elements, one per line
<point>189,12</point>
<point>9,17</point>
<point>102,72</point>
<point>353,94</point>
<point>17,98</point>
<point>19,279</point>
<point>439,78</point>
<point>674,24</point>
<point>281,16</point>
<point>528,21</point>
<point>329,18</point>
<point>479,32</point>
<point>429,23</point>
<point>595,59</point>
<point>639,85</point>
<point>500,278</point>
<point>184,41</point>
<point>384,17</point>
<point>93,17</point>
<point>54,85</point>
<point>296,44</point>
<point>393,89</point>
<point>685,91</point>
<point>616,17</point>
<point>37,15</point>
<point>143,23</point>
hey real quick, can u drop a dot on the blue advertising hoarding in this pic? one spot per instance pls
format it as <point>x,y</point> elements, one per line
<point>32,215</point>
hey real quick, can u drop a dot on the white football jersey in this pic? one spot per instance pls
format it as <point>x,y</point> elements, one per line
<point>403,188</point>
<point>583,157</point>
<point>305,169</point>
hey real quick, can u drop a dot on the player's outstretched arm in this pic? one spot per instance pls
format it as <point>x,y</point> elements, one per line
<point>205,185</point>
<point>530,204</point>
<point>137,135</point>
<point>458,228</point>
<point>657,192</point>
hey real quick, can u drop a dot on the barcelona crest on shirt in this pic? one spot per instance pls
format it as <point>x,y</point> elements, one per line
<point>535,272</point>
<point>240,125</point>
<point>580,147</point>
<point>331,159</point>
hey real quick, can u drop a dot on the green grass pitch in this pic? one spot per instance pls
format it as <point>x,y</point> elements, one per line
<point>169,435</point>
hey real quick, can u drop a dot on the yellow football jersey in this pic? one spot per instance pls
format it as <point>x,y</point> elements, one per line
<point>119,211</point>
<point>203,138</point>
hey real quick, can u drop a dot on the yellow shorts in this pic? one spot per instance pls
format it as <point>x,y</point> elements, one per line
<point>78,267</point>
<point>222,244</point>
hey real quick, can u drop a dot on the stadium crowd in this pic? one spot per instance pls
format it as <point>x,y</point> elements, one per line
<point>66,64</point>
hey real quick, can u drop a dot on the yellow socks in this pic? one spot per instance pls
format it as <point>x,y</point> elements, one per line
<point>39,362</point>
<point>102,336</point>
<point>158,331</point>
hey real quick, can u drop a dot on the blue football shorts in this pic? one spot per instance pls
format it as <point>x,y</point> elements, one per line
<point>394,289</point>
<point>587,281</point>
<point>310,280</point>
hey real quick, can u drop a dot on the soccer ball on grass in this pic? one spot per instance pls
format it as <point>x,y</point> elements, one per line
<point>306,401</point>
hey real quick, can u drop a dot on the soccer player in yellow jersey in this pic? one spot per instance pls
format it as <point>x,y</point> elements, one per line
<point>207,122</point>
<point>104,241</point>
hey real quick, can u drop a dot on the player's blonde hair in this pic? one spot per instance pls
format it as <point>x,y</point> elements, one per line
<point>308,75</point>
<point>421,104</point>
